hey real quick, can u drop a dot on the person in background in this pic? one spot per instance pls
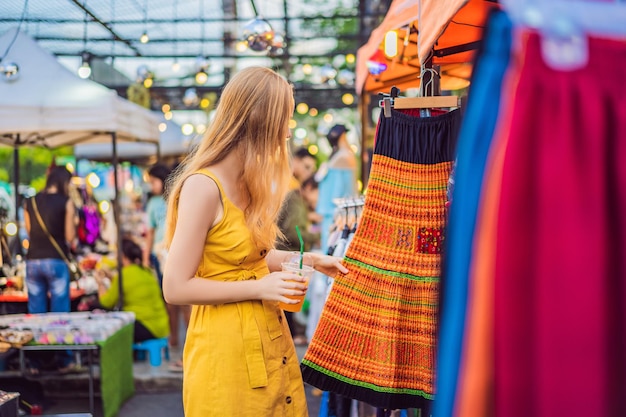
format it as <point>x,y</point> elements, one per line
<point>294,210</point>
<point>303,165</point>
<point>156,210</point>
<point>156,253</point>
<point>310,192</point>
<point>336,178</point>
<point>46,268</point>
<point>294,213</point>
<point>239,358</point>
<point>141,294</point>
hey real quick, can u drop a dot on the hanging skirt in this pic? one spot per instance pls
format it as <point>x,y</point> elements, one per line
<point>560,266</point>
<point>475,139</point>
<point>375,341</point>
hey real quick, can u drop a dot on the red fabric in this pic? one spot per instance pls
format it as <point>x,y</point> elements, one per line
<point>416,112</point>
<point>560,281</point>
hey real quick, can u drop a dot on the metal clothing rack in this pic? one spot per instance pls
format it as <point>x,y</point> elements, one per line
<point>349,202</point>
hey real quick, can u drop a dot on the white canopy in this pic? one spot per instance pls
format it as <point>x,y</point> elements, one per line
<point>50,106</point>
<point>172,142</point>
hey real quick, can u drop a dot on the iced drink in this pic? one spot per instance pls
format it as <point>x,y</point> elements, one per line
<point>307,273</point>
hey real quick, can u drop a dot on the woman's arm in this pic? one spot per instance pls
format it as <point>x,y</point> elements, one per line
<point>70,225</point>
<point>199,208</point>
<point>327,265</point>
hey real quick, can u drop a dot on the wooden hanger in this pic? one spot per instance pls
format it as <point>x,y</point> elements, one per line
<point>428,102</point>
<point>428,98</point>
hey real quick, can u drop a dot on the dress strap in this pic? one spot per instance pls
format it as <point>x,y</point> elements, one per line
<point>208,173</point>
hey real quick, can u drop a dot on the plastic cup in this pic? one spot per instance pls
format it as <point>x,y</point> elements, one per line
<point>307,273</point>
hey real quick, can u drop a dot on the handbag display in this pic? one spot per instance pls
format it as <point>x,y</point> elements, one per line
<point>75,272</point>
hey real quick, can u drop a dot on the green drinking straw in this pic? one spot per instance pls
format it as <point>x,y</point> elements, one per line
<point>301,245</point>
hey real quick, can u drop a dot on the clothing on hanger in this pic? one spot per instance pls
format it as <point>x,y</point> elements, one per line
<point>464,193</point>
<point>376,337</point>
<point>545,314</point>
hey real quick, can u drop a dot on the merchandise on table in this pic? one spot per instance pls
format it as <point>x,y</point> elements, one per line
<point>68,328</point>
<point>9,404</point>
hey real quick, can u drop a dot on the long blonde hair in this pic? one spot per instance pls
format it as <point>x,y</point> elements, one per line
<point>252,117</point>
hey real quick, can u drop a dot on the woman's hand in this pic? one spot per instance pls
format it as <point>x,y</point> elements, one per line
<point>327,265</point>
<point>278,285</point>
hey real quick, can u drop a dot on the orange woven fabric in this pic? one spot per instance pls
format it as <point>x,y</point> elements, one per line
<point>376,337</point>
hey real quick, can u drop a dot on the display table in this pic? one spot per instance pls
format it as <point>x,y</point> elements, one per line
<point>16,302</point>
<point>111,334</point>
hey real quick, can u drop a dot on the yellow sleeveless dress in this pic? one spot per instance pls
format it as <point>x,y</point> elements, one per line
<point>239,358</point>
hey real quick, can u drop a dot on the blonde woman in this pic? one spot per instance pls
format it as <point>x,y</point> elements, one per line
<point>239,358</point>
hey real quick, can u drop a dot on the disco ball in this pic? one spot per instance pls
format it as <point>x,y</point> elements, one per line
<point>142,72</point>
<point>259,34</point>
<point>10,71</point>
<point>279,41</point>
<point>278,45</point>
<point>345,77</point>
<point>202,63</point>
<point>328,73</point>
<point>190,98</point>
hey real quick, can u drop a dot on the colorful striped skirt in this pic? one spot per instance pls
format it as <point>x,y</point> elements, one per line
<point>376,338</point>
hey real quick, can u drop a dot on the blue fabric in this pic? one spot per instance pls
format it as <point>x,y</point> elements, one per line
<point>473,148</point>
<point>338,183</point>
<point>157,211</point>
<point>48,275</point>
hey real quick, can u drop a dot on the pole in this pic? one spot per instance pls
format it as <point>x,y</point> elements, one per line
<point>16,176</point>
<point>117,216</point>
<point>364,106</point>
<point>16,182</point>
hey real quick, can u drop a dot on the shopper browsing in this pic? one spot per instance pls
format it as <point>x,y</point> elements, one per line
<point>294,215</point>
<point>336,178</point>
<point>50,220</point>
<point>239,358</point>
<point>156,253</point>
<point>141,294</point>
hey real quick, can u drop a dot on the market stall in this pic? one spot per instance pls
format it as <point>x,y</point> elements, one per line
<point>44,104</point>
<point>449,32</point>
<point>413,36</point>
<point>108,334</point>
<point>15,302</point>
<point>172,144</point>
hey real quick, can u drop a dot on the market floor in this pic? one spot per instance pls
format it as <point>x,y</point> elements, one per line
<point>165,403</point>
<point>153,405</point>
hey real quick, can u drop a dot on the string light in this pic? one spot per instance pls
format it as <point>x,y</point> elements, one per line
<point>93,180</point>
<point>10,229</point>
<point>302,108</point>
<point>347,99</point>
<point>187,129</point>
<point>391,44</point>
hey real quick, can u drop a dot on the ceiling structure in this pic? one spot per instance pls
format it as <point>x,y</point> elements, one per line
<point>321,37</point>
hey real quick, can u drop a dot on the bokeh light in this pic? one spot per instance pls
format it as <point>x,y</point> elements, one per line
<point>93,180</point>
<point>10,229</point>
<point>302,108</point>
